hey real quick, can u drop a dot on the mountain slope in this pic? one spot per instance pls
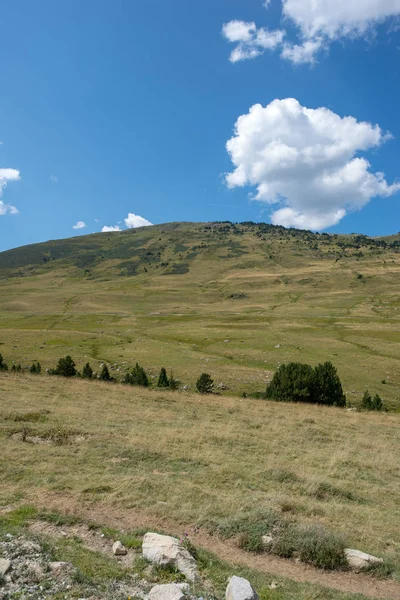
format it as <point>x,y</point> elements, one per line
<point>231,299</point>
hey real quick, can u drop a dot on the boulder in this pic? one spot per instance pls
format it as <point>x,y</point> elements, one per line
<point>240,589</point>
<point>163,550</point>
<point>119,549</point>
<point>167,591</point>
<point>358,560</point>
<point>5,566</point>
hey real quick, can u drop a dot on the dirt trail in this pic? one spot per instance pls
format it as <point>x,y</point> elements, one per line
<point>128,519</point>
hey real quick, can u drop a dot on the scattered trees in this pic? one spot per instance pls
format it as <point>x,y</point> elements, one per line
<point>371,403</point>
<point>297,382</point>
<point>205,384</point>
<point>36,368</point>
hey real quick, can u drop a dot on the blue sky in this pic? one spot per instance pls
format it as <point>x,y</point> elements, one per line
<point>110,108</point>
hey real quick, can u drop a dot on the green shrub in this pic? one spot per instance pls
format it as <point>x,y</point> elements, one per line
<point>297,382</point>
<point>163,381</point>
<point>137,376</point>
<point>205,384</point>
<point>3,366</point>
<point>319,547</point>
<point>65,368</point>
<point>371,403</point>
<point>87,372</point>
<point>16,368</point>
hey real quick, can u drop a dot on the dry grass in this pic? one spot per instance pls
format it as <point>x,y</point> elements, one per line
<point>194,459</point>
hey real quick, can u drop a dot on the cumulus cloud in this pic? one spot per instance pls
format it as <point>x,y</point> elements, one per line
<point>79,225</point>
<point>133,221</point>
<point>250,40</point>
<point>7,175</point>
<point>304,160</point>
<point>317,24</point>
<point>110,228</point>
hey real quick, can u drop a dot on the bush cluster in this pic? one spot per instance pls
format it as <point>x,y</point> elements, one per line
<point>297,382</point>
<point>371,403</point>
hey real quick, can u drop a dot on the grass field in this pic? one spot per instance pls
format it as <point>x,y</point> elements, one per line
<point>195,460</point>
<point>232,300</point>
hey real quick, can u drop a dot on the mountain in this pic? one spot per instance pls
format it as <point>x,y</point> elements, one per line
<point>234,300</point>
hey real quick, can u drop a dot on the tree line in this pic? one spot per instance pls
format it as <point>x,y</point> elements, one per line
<point>292,382</point>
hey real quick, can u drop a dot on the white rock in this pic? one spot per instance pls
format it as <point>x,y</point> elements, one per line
<point>240,589</point>
<point>163,550</point>
<point>168,591</point>
<point>119,549</point>
<point>360,560</point>
<point>60,567</point>
<point>267,540</point>
<point>5,566</point>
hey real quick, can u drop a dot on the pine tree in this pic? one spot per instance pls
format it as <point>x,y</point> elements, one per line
<point>173,382</point>
<point>36,368</point>
<point>87,371</point>
<point>137,376</point>
<point>205,384</point>
<point>3,366</point>
<point>105,374</point>
<point>163,381</point>
<point>65,368</point>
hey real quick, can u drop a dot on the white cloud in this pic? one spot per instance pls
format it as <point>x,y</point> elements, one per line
<point>53,178</point>
<point>304,160</point>
<point>318,23</point>
<point>250,40</point>
<point>7,175</point>
<point>79,225</point>
<point>133,221</point>
<point>110,228</point>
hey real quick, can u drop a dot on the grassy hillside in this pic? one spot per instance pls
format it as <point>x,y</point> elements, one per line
<point>216,462</point>
<point>232,300</point>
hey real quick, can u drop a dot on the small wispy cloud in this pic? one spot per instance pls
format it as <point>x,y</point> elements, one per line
<point>7,175</point>
<point>317,23</point>
<point>79,225</point>
<point>53,178</point>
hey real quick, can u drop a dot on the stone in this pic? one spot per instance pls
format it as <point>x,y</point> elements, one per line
<point>60,567</point>
<point>167,591</point>
<point>240,589</point>
<point>5,566</point>
<point>119,549</point>
<point>163,550</point>
<point>358,560</point>
<point>267,540</point>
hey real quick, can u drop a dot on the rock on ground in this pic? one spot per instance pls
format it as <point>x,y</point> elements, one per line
<point>163,550</point>
<point>168,591</point>
<point>5,566</point>
<point>119,549</point>
<point>360,560</point>
<point>240,589</point>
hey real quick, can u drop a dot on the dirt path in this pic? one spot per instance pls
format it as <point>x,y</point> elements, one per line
<point>129,519</point>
